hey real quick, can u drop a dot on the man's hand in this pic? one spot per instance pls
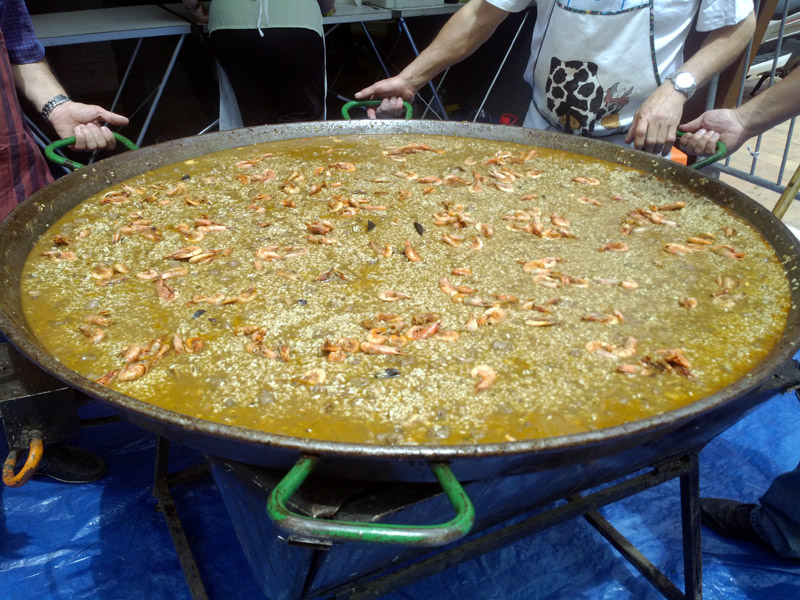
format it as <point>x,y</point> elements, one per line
<point>199,11</point>
<point>393,92</point>
<point>655,123</point>
<point>84,121</point>
<point>712,126</point>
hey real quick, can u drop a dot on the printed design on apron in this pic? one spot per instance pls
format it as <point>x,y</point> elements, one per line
<point>593,84</point>
<point>575,96</point>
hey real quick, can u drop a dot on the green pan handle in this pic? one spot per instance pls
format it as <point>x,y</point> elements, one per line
<point>50,153</point>
<point>346,108</point>
<point>354,531</point>
<point>722,150</point>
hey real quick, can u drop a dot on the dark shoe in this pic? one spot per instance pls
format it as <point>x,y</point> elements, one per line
<point>70,464</point>
<point>729,518</point>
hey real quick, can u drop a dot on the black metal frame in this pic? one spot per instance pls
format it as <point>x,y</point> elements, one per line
<point>163,480</point>
<point>685,467</point>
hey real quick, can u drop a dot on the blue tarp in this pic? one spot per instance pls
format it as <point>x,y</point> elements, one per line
<point>106,540</point>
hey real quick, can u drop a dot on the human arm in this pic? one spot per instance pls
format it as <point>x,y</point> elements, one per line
<point>655,123</point>
<point>326,6</point>
<point>463,33</point>
<point>735,126</point>
<point>36,82</point>
<point>198,10</point>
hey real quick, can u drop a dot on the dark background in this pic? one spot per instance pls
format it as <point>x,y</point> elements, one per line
<point>91,72</point>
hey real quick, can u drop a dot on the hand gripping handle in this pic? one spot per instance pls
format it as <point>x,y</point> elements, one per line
<point>346,108</point>
<point>50,153</point>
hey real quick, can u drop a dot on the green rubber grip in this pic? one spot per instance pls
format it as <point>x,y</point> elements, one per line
<point>50,150</point>
<point>355,531</point>
<point>346,108</point>
<point>722,150</point>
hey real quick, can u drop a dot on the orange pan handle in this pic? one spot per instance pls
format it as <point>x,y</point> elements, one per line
<point>35,453</point>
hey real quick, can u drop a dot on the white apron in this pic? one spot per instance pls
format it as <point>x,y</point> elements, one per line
<point>595,67</point>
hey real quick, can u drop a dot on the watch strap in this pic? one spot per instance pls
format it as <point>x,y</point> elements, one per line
<point>48,107</point>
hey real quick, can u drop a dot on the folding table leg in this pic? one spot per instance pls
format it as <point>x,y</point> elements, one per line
<point>500,68</point>
<point>124,81</point>
<point>435,96</point>
<point>160,89</point>
<point>690,522</point>
<point>375,49</point>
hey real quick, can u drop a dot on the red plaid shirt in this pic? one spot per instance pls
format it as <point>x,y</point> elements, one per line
<point>21,42</point>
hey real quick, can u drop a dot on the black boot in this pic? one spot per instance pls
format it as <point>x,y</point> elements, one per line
<point>70,464</point>
<point>729,518</point>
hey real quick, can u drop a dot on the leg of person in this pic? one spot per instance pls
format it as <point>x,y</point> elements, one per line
<point>240,53</point>
<point>774,522</point>
<point>777,518</point>
<point>300,71</point>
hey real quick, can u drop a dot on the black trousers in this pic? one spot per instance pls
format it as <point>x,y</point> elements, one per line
<point>278,78</point>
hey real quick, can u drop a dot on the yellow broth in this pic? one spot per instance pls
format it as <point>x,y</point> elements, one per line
<point>293,240</point>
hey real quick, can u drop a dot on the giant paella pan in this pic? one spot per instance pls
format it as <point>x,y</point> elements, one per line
<point>387,295</point>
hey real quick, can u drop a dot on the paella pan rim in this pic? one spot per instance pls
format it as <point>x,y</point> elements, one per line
<point>32,216</point>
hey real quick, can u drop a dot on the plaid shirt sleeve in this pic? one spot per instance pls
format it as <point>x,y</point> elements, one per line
<point>21,41</point>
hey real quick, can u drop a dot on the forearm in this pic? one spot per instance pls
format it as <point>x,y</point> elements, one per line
<point>36,82</point>
<point>463,33</point>
<point>772,106</point>
<point>720,48</point>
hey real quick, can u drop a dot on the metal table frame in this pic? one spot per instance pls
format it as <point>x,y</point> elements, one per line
<point>684,467</point>
<point>350,13</point>
<point>122,23</point>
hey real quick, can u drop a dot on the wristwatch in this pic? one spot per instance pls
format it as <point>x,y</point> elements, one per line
<point>51,104</point>
<point>683,82</point>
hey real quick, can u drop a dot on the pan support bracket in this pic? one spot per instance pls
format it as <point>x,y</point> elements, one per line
<point>163,481</point>
<point>685,467</point>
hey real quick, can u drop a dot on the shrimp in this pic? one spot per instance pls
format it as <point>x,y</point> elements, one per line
<point>392,296</point>
<point>94,333</point>
<point>107,378</point>
<point>492,316</point>
<point>485,375</point>
<point>132,371</point>
<point>369,348</point>
<point>194,344</point>
<point>452,240</point>
<point>422,332</point>
<point>385,251</point>
<point>615,247</point>
<point>678,249</point>
<point>446,287</point>
<point>411,254</point>
<point>627,350</point>
<point>184,253</point>
<point>314,377</point>
<point>486,229</point>
<point>727,252</point>
<point>321,227</point>
<point>100,319</point>
<point>540,323</point>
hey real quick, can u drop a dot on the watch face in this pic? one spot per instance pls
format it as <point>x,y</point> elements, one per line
<point>684,80</point>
